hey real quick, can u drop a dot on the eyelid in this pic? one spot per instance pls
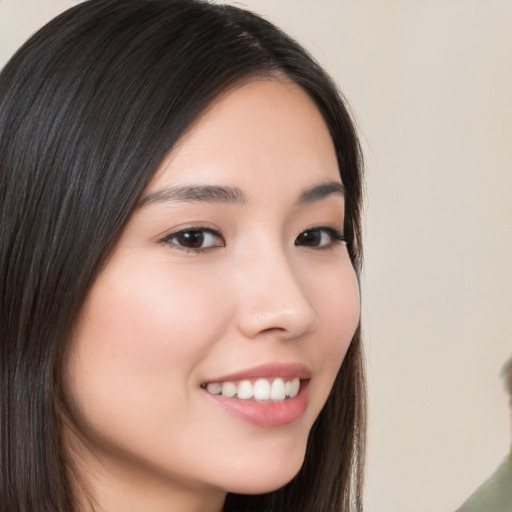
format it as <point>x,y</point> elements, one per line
<point>337,237</point>
<point>198,228</point>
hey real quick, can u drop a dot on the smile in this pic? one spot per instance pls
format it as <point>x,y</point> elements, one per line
<point>274,390</point>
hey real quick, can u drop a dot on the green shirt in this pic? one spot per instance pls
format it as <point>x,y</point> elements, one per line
<point>495,494</point>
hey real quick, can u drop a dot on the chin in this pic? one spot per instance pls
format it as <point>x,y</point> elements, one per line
<point>266,476</point>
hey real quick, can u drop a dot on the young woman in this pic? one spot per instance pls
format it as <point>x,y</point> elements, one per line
<point>180,191</point>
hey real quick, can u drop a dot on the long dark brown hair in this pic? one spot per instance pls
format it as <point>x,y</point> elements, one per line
<point>89,108</point>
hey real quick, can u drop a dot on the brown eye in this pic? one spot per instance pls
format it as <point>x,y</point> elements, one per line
<point>320,237</point>
<point>194,239</point>
<point>190,239</point>
<point>312,238</point>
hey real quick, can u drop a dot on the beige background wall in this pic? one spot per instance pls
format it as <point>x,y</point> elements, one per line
<point>431,85</point>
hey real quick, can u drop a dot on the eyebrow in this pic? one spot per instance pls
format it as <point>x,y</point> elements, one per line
<point>232,195</point>
<point>196,193</point>
<point>319,192</point>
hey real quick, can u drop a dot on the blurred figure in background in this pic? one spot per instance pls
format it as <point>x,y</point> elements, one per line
<point>495,494</point>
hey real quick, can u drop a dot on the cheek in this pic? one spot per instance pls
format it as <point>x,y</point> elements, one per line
<point>137,341</point>
<point>338,306</point>
<point>146,312</point>
<point>335,292</point>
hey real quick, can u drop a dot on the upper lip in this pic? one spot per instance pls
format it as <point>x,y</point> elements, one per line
<point>283,370</point>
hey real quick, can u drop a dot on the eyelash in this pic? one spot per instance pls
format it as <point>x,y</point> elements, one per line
<point>336,237</point>
<point>168,240</point>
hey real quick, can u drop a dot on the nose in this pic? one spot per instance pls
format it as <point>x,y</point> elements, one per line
<point>273,300</point>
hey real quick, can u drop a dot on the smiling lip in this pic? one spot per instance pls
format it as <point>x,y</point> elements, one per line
<point>267,413</point>
<point>265,371</point>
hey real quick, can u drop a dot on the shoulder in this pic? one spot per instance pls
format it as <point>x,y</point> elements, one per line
<point>495,494</point>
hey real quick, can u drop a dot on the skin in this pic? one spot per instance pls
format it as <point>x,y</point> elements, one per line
<point>162,319</point>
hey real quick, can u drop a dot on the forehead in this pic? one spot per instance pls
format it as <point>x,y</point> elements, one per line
<point>268,130</point>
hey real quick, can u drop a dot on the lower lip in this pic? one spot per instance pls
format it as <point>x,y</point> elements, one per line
<point>267,414</point>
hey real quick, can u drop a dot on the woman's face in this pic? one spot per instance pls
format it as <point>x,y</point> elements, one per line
<point>230,274</point>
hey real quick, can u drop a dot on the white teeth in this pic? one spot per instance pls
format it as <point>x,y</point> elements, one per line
<point>294,388</point>
<point>277,391</point>
<point>245,390</point>
<point>229,389</point>
<point>214,388</point>
<point>261,390</point>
